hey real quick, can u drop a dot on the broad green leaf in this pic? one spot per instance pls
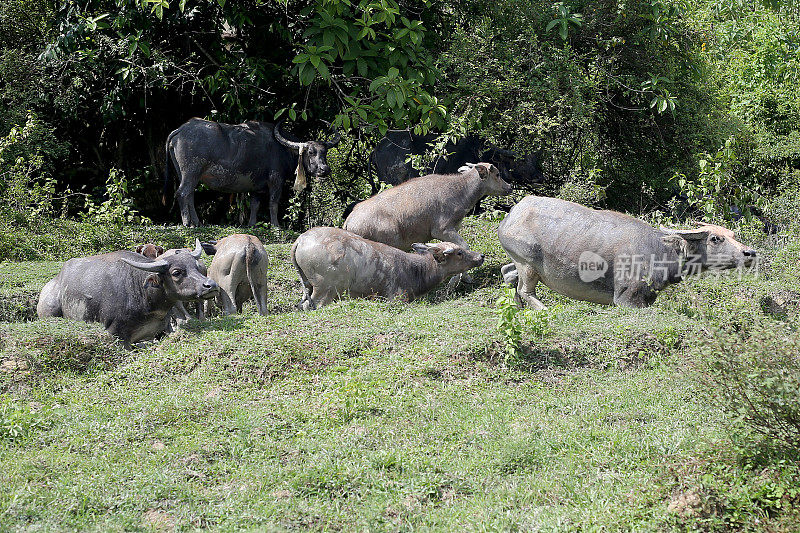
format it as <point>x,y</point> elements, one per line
<point>322,68</point>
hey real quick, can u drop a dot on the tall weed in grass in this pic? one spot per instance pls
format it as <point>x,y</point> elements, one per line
<point>513,323</point>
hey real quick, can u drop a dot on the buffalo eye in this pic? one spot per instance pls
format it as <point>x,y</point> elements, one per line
<point>177,273</point>
<point>716,239</point>
<point>460,254</point>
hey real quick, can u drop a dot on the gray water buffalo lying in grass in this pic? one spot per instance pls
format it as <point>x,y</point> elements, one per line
<point>126,292</point>
<point>240,269</point>
<point>332,262</point>
<point>604,256</point>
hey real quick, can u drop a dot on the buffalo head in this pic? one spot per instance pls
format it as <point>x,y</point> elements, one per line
<point>452,258</point>
<point>314,154</point>
<point>177,271</point>
<point>150,250</point>
<point>711,247</point>
<point>492,183</point>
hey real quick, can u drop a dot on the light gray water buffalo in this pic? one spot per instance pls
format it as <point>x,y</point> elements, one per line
<point>126,292</point>
<point>604,256</point>
<point>425,208</point>
<point>239,158</point>
<point>240,269</point>
<point>332,262</point>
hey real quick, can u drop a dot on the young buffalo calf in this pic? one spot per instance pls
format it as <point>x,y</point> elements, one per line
<point>332,261</point>
<point>240,268</point>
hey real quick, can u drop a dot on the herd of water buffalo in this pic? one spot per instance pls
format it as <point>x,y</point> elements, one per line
<point>383,248</point>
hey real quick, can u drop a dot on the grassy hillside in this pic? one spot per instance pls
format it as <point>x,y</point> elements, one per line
<point>383,415</point>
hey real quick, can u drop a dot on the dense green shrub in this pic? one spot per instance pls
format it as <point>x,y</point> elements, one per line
<point>755,378</point>
<point>27,186</point>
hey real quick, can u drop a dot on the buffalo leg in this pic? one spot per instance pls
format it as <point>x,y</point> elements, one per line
<point>510,275</point>
<point>320,298</point>
<point>274,201</point>
<point>526,289</point>
<point>634,295</point>
<point>226,301</point>
<point>255,204</point>
<point>185,196</point>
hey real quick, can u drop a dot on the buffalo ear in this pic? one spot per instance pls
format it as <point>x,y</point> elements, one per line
<point>437,253</point>
<point>160,250</point>
<point>483,172</point>
<point>688,234</point>
<point>139,249</point>
<point>153,280</point>
<point>209,248</point>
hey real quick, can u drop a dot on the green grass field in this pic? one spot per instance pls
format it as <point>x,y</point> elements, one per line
<point>374,415</point>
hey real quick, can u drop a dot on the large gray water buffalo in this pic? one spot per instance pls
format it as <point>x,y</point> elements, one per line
<point>126,292</point>
<point>389,159</point>
<point>421,209</point>
<point>240,269</point>
<point>239,158</point>
<point>331,262</point>
<point>604,256</point>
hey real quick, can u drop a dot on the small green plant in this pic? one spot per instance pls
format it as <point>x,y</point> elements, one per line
<point>118,207</point>
<point>564,20</point>
<point>513,322</point>
<point>18,421</point>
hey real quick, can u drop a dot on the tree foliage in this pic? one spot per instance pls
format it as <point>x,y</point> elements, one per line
<point>615,97</point>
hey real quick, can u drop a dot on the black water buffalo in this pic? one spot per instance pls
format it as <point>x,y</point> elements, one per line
<point>389,158</point>
<point>239,158</point>
<point>127,292</point>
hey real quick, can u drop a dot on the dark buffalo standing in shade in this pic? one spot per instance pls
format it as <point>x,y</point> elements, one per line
<point>389,159</point>
<point>128,293</point>
<point>239,158</point>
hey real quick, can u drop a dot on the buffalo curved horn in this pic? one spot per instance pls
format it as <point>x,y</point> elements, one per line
<point>336,139</point>
<point>288,144</point>
<point>159,265</point>
<point>198,249</point>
